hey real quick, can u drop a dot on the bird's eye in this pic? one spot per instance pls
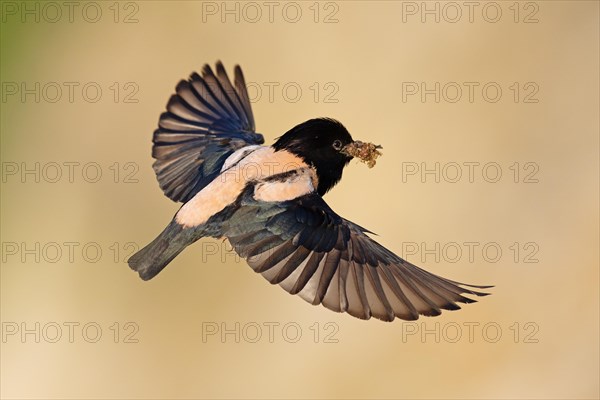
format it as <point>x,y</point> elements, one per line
<point>337,144</point>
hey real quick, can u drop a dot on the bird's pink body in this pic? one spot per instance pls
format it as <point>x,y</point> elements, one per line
<point>262,162</point>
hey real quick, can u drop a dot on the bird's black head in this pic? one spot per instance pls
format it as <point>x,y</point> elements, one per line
<point>319,142</point>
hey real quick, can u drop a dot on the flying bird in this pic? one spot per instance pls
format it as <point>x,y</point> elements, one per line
<point>268,202</point>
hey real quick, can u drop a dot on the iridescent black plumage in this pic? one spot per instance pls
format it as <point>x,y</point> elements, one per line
<point>313,141</point>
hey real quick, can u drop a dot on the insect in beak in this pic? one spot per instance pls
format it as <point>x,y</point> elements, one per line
<point>366,152</point>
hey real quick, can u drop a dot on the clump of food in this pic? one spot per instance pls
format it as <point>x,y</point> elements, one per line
<point>366,152</point>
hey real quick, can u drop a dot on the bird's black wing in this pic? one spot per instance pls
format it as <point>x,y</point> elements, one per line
<point>207,119</point>
<point>309,250</point>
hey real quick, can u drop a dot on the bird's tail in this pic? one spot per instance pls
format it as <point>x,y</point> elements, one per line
<point>150,260</point>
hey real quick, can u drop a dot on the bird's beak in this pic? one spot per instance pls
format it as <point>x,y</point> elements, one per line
<point>366,152</point>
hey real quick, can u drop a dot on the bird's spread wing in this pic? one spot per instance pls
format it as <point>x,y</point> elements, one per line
<point>309,250</point>
<point>207,119</point>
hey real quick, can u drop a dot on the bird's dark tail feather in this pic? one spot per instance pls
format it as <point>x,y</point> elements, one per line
<point>150,260</point>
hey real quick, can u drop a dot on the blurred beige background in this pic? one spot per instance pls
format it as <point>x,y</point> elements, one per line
<point>535,337</point>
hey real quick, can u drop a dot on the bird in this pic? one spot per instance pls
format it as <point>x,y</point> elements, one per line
<point>267,201</point>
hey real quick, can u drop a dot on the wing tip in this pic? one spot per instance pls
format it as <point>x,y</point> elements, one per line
<point>450,306</point>
<point>237,70</point>
<point>207,70</point>
<point>219,68</point>
<point>475,292</point>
